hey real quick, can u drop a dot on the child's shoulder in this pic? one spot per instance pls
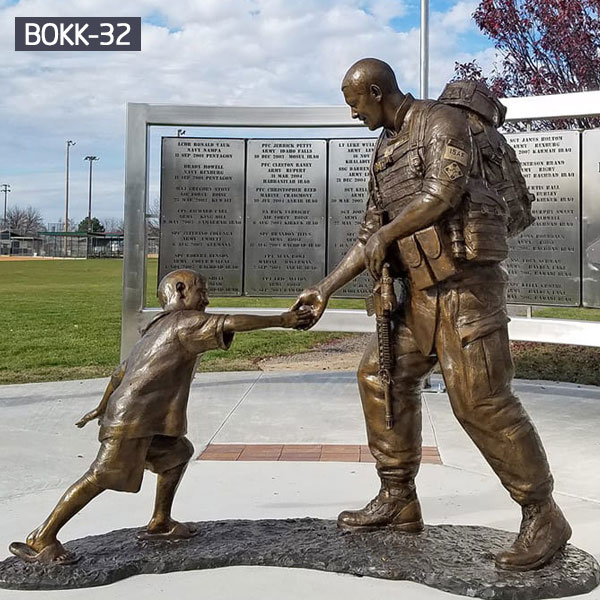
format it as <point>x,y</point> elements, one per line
<point>192,318</point>
<point>175,320</point>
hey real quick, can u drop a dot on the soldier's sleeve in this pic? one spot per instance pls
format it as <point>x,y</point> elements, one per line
<point>370,223</point>
<point>447,155</point>
<point>200,332</point>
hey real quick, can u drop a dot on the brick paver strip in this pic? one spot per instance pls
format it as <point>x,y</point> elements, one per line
<point>302,452</point>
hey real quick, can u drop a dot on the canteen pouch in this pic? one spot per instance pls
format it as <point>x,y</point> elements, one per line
<point>437,250</point>
<point>427,256</point>
<point>485,227</point>
<point>417,268</point>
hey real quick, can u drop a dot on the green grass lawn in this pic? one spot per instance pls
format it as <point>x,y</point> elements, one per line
<point>62,319</point>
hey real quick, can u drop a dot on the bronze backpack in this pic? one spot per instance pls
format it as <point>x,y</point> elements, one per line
<point>499,166</point>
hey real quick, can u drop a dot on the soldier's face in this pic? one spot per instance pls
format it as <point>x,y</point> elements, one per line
<point>364,106</point>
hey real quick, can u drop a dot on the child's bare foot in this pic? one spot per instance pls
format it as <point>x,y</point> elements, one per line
<point>43,550</point>
<point>168,529</point>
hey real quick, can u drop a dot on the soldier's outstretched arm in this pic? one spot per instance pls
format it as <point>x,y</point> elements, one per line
<point>316,298</point>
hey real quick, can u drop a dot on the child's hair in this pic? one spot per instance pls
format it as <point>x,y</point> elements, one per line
<point>173,287</point>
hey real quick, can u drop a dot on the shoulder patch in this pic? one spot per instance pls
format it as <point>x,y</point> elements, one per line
<point>456,154</point>
<point>453,171</point>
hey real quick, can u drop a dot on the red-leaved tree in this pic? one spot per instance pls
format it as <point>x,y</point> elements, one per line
<point>546,47</point>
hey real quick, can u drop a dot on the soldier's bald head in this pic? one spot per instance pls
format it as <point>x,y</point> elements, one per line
<point>371,71</point>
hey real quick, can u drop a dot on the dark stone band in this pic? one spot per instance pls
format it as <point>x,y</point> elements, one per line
<point>451,558</point>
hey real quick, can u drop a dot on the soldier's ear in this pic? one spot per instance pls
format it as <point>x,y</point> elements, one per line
<point>180,287</point>
<point>375,92</point>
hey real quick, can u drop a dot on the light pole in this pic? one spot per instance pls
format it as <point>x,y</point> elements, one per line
<point>5,189</point>
<point>89,227</point>
<point>424,49</point>
<point>91,159</point>
<point>69,144</point>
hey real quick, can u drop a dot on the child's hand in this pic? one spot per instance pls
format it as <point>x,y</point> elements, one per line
<point>301,317</point>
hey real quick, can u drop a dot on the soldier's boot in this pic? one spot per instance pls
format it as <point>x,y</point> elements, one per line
<point>544,532</point>
<point>394,507</point>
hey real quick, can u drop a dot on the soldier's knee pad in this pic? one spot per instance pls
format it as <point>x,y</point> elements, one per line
<point>369,367</point>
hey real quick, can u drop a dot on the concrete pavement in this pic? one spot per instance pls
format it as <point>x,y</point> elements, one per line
<point>42,452</point>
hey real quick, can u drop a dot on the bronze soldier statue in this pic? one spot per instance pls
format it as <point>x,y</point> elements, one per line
<point>433,217</point>
<point>142,414</point>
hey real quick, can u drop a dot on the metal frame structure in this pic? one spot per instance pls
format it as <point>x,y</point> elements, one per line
<point>140,117</point>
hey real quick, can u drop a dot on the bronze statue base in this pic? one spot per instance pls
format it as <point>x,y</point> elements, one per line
<point>451,558</point>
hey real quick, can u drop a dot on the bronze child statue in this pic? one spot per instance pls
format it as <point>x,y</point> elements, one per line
<point>142,414</point>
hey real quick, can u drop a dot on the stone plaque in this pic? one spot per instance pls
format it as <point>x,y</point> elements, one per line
<point>202,210</point>
<point>285,216</point>
<point>591,218</point>
<point>545,261</point>
<point>349,161</point>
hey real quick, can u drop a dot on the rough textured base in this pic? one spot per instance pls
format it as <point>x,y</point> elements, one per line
<point>447,557</point>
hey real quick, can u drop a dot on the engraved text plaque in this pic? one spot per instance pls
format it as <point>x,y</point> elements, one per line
<point>349,161</point>
<point>285,216</point>
<point>202,210</point>
<point>544,260</point>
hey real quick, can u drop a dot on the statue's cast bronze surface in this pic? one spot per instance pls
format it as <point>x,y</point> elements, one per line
<point>433,215</point>
<point>143,413</point>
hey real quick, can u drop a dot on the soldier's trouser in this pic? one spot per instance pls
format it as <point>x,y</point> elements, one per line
<point>478,378</point>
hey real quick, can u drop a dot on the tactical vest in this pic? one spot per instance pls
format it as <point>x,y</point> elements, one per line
<point>397,166</point>
<point>397,175</point>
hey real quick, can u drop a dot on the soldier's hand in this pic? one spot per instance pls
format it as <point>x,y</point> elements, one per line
<point>298,319</point>
<point>314,301</point>
<point>375,251</point>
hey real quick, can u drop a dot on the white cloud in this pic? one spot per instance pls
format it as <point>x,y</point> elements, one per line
<point>211,52</point>
<point>459,17</point>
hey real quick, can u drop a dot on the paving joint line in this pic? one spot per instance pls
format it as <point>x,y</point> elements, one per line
<point>244,395</point>
<point>430,417</point>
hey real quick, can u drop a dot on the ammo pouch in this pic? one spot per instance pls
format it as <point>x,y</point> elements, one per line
<point>484,226</point>
<point>427,257</point>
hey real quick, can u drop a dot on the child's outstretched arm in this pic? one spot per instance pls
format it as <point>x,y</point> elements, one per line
<point>113,384</point>
<point>292,318</point>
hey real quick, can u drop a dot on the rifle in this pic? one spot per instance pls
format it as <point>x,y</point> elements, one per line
<point>382,302</point>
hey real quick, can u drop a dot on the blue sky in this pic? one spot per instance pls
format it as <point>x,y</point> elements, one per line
<point>204,52</point>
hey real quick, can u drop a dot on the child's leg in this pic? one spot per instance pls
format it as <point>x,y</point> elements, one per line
<point>42,541</point>
<point>166,486</point>
<point>162,452</point>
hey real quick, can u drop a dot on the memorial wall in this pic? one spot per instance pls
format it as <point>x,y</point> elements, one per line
<point>271,217</point>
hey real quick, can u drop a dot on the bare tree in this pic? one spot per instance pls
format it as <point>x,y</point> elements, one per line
<point>153,228</point>
<point>25,221</point>
<point>114,225</point>
<point>71,227</point>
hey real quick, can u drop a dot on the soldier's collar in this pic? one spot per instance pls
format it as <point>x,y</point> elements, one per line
<point>401,113</point>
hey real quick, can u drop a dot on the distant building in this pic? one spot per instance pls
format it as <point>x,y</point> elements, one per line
<point>13,244</point>
<point>81,244</point>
